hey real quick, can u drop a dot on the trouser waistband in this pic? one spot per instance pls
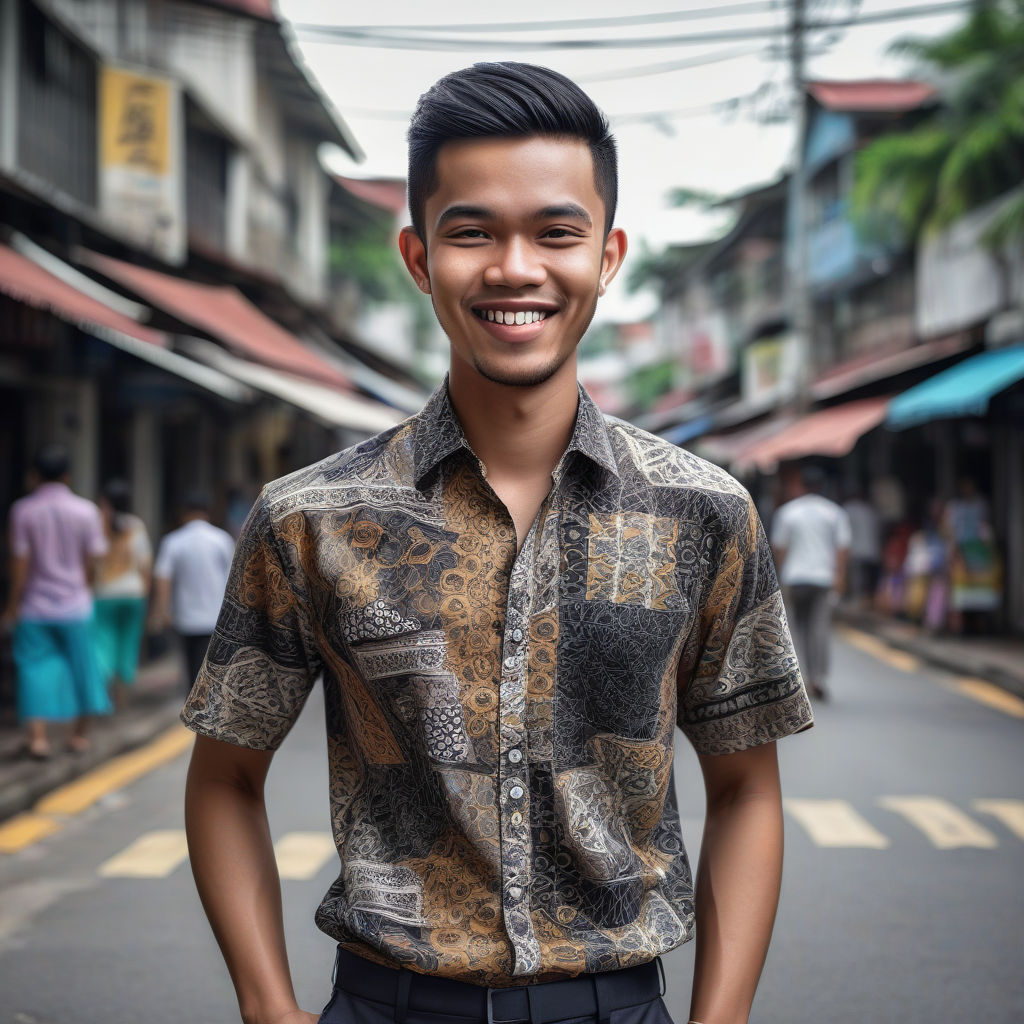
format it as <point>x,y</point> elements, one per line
<point>542,1003</point>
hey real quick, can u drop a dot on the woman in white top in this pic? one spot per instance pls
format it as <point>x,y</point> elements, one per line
<point>122,587</point>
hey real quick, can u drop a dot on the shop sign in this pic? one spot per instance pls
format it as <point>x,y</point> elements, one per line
<point>140,151</point>
<point>768,373</point>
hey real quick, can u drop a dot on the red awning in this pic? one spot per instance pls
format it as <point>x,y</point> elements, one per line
<point>227,315</point>
<point>832,432</point>
<point>872,94</point>
<point>28,282</point>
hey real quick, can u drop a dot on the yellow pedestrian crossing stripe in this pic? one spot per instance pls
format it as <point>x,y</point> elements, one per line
<point>153,855</point>
<point>945,825</point>
<point>836,823</point>
<point>300,855</point>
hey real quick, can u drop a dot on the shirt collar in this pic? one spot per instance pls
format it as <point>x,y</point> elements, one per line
<point>437,434</point>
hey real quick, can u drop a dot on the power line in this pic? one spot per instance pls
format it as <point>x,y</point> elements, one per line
<point>355,37</point>
<point>619,21</point>
<point>640,70</point>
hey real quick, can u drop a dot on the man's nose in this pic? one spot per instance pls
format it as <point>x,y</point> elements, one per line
<point>516,265</point>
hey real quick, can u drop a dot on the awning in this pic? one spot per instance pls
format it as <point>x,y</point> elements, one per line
<point>729,449</point>
<point>226,314</point>
<point>831,432</point>
<point>689,430</point>
<point>29,283</point>
<point>332,406</point>
<point>962,390</point>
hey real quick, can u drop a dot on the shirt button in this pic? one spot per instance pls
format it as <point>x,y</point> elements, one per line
<point>515,755</point>
<point>510,662</point>
<point>515,892</point>
<point>517,792</point>
<point>517,635</point>
<point>517,818</point>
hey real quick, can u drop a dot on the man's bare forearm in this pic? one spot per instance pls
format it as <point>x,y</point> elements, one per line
<point>737,896</point>
<point>236,874</point>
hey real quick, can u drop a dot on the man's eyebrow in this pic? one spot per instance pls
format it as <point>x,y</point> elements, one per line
<point>460,210</point>
<point>564,211</point>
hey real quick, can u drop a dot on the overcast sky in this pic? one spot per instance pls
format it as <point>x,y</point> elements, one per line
<point>715,151</point>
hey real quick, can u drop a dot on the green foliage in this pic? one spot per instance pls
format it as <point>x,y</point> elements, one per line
<point>648,383</point>
<point>970,151</point>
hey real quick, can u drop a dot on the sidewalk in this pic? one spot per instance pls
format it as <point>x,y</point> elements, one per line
<point>153,706</point>
<point>998,660</point>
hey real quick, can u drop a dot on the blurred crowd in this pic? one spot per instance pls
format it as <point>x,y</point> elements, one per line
<point>85,589</point>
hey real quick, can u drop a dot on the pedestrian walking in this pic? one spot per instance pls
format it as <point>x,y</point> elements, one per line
<point>56,538</point>
<point>512,601</point>
<point>190,574</point>
<point>811,539</point>
<point>122,589</point>
<point>865,549</point>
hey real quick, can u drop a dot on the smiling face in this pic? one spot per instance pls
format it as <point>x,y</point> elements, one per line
<point>515,254</point>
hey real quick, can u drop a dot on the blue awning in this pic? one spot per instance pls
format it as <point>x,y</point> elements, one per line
<point>962,390</point>
<point>688,431</point>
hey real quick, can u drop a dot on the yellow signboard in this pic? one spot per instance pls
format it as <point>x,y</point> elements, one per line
<point>141,187</point>
<point>136,121</point>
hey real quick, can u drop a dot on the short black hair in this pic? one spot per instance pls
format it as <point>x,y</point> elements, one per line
<point>506,100</point>
<point>52,462</point>
<point>813,477</point>
<point>197,500</point>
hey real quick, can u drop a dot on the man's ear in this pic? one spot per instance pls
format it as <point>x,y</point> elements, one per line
<point>614,253</point>
<point>414,253</point>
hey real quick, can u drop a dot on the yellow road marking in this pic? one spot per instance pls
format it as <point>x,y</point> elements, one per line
<point>945,825</point>
<point>153,855</point>
<point>24,830</point>
<point>836,823</point>
<point>990,694</point>
<point>300,855</point>
<point>115,774</point>
<point>899,660</point>
<point>1009,812</point>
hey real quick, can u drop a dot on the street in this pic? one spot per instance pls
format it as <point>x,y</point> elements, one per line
<point>902,899</point>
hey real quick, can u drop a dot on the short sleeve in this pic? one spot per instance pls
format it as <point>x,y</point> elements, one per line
<point>739,681</point>
<point>164,567</point>
<point>261,663</point>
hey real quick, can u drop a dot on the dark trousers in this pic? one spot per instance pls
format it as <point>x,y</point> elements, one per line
<point>810,619</point>
<point>366,993</point>
<point>194,645</point>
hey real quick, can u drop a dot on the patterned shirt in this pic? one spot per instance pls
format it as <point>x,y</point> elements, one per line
<point>500,725</point>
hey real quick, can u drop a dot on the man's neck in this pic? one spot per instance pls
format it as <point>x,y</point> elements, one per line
<point>516,432</point>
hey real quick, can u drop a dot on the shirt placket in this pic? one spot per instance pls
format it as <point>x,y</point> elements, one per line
<point>513,766</point>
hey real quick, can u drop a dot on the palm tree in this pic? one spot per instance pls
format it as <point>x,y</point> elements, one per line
<point>969,151</point>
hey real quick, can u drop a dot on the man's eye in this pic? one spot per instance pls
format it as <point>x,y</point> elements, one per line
<point>469,233</point>
<point>560,233</point>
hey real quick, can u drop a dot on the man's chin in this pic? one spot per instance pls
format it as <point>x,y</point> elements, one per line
<point>518,376</point>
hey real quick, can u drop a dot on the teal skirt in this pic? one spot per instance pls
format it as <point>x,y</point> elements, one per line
<point>59,676</point>
<point>118,626</point>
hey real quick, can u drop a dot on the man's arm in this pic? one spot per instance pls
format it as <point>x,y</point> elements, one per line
<point>236,874</point>
<point>738,881</point>
<point>19,573</point>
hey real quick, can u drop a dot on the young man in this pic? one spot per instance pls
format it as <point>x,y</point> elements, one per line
<point>56,540</point>
<point>811,539</point>
<point>191,574</point>
<point>513,601</point>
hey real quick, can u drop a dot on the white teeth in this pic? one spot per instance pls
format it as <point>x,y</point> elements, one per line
<point>498,316</point>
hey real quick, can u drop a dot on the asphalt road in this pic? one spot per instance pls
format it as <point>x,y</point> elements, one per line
<point>902,898</point>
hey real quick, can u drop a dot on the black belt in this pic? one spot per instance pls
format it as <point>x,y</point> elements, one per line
<point>587,995</point>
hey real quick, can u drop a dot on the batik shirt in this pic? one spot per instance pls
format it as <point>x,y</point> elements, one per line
<point>500,724</point>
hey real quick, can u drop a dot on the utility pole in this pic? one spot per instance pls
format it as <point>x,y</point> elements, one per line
<point>799,294</point>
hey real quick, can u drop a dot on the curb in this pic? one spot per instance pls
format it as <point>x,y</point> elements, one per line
<point>132,730</point>
<point>966,663</point>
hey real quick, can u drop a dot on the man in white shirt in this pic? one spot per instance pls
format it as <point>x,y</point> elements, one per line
<point>811,541</point>
<point>190,574</point>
